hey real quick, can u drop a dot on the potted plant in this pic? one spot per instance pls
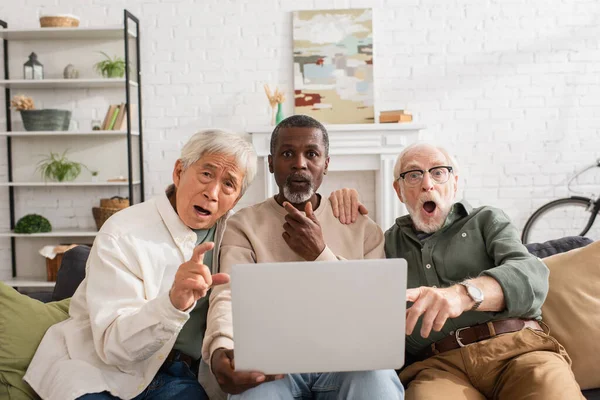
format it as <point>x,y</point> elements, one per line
<point>33,223</point>
<point>59,168</point>
<point>40,120</point>
<point>94,176</point>
<point>111,67</point>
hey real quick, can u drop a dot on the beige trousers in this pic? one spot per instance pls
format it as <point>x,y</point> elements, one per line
<point>522,365</point>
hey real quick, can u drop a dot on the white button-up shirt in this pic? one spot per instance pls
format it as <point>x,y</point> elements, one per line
<point>122,323</point>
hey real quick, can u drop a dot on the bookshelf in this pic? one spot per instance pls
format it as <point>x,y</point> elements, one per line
<point>68,133</point>
<point>95,146</point>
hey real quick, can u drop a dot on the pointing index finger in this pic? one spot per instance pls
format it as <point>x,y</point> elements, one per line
<point>293,212</point>
<point>198,255</point>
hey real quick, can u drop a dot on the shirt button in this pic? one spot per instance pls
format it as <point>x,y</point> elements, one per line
<point>161,357</point>
<point>464,234</point>
<point>428,266</point>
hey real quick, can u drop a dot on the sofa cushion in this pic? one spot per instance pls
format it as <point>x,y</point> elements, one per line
<point>23,323</point>
<point>71,272</point>
<point>571,309</point>
<point>557,246</point>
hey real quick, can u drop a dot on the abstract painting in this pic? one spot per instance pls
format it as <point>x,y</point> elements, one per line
<point>333,65</point>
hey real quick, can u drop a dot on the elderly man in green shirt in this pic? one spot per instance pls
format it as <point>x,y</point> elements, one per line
<point>474,327</point>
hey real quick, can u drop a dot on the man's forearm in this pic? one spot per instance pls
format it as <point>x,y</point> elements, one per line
<point>493,296</point>
<point>135,335</point>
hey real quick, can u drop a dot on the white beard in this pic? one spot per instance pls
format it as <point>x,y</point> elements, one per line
<point>298,197</point>
<point>427,227</point>
<point>443,205</point>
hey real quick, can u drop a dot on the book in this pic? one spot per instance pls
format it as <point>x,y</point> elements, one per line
<point>118,125</point>
<point>394,116</point>
<point>131,109</point>
<point>390,116</point>
<point>109,113</point>
<point>405,118</point>
<point>113,119</point>
<point>123,125</point>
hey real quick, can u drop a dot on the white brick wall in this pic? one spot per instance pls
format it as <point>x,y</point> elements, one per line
<point>513,87</point>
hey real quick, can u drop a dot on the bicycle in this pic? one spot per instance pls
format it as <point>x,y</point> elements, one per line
<point>570,216</point>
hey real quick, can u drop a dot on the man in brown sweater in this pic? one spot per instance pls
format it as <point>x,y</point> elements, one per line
<point>296,224</point>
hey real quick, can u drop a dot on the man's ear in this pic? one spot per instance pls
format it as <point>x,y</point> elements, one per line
<point>270,159</point>
<point>455,184</point>
<point>398,190</point>
<point>326,166</point>
<point>177,170</point>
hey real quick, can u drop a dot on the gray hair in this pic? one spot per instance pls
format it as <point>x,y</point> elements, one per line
<point>299,121</point>
<point>449,158</point>
<point>216,141</point>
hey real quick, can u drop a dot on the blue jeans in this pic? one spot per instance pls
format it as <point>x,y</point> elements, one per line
<point>174,380</point>
<point>367,385</point>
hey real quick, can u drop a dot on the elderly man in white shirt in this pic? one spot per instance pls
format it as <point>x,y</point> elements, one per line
<point>138,318</point>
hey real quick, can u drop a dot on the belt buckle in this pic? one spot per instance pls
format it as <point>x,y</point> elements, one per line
<point>457,336</point>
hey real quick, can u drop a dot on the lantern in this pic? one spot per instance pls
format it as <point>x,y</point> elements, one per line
<point>33,69</point>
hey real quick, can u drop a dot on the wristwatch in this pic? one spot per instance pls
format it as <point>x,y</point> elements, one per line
<point>474,293</point>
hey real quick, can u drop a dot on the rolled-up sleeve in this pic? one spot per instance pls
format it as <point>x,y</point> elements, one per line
<point>522,276</point>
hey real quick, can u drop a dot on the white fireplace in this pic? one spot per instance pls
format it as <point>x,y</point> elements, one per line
<point>368,147</point>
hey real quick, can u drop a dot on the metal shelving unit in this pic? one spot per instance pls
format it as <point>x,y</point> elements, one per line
<point>131,84</point>
<point>68,133</point>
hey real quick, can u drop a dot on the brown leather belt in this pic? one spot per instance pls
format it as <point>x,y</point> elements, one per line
<point>476,333</point>
<point>176,355</point>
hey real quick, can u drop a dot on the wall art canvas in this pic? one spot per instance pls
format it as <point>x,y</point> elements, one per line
<point>333,65</point>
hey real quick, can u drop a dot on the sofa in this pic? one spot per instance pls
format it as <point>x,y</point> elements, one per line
<point>72,272</point>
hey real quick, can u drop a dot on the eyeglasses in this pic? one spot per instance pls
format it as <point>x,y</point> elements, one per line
<point>439,175</point>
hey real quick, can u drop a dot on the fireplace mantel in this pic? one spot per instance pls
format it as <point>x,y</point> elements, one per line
<point>358,147</point>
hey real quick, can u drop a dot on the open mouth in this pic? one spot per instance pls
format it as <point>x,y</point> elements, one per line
<point>429,207</point>
<point>298,180</point>
<point>202,211</point>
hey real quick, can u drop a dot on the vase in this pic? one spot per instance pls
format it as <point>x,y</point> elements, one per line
<point>279,117</point>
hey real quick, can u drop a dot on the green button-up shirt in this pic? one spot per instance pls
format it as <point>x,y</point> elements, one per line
<point>472,243</point>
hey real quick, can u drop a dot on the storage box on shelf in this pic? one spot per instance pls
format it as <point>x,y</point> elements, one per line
<point>113,152</point>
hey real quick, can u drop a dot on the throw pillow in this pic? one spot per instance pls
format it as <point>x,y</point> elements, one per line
<point>571,309</point>
<point>23,323</point>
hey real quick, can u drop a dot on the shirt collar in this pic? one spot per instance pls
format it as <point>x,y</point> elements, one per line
<point>180,232</point>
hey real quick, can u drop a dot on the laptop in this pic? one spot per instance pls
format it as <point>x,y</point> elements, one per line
<point>325,316</point>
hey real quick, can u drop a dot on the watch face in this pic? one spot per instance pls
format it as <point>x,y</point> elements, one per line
<point>475,293</point>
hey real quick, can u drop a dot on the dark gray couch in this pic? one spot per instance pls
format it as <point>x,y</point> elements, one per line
<point>72,272</point>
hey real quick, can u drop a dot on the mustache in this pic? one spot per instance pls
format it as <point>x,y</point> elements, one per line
<point>298,176</point>
<point>433,196</point>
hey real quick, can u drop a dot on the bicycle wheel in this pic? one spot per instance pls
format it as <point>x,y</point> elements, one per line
<point>560,218</point>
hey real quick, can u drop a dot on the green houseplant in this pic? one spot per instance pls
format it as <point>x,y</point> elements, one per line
<point>40,120</point>
<point>33,223</point>
<point>59,168</point>
<point>111,67</point>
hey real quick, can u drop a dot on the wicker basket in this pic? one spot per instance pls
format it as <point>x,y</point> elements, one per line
<point>53,265</point>
<point>46,120</point>
<point>101,214</point>
<point>115,202</point>
<point>59,21</point>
